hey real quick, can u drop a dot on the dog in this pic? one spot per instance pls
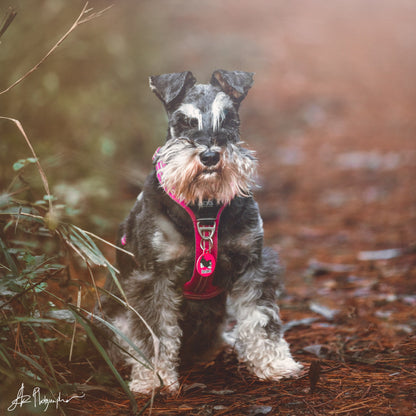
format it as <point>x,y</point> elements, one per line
<point>197,239</point>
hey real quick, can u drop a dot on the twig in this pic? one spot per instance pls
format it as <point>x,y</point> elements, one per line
<point>71,350</point>
<point>11,14</point>
<point>95,286</point>
<point>23,214</point>
<point>354,406</point>
<point>82,18</point>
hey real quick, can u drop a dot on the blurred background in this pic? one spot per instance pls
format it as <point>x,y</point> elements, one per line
<point>331,113</point>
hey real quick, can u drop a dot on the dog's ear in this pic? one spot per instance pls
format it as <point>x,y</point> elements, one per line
<point>234,83</point>
<point>171,87</point>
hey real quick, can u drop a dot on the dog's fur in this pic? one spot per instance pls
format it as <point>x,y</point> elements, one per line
<point>203,160</point>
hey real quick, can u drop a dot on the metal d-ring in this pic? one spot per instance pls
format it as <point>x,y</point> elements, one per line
<point>203,228</point>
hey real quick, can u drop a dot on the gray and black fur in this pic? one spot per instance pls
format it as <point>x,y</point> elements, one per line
<point>204,161</point>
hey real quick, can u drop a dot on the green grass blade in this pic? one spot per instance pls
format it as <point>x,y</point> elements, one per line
<point>46,356</point>
<point>26,320</point>
<point>5,357</point>
<point>33,363</point>
<point>12,265</point>
<point>146,362</point>
<point>106,358</point>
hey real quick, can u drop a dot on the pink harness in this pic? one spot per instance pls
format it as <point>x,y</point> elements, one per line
<point>200,286</point>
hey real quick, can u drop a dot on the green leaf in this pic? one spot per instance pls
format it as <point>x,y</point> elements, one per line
<point>50,198</point>
<point>21,163</point>
<point>41,287</point>
<point>4,200</point>
<point>40,202</point>
<point>18,165</point>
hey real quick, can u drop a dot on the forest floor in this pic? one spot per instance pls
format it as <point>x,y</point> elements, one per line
<point>352,326</point>
<point>339,203</point>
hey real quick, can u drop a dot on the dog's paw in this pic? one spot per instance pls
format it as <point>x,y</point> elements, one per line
<point>277,369</point>
<point>269,360</point>
<point>152,385</point>
<point>142,387</point>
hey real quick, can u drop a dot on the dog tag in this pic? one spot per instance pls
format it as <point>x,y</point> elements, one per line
<point>205,264</point>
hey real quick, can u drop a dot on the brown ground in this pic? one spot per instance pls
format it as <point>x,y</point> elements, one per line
<point>332,114</point>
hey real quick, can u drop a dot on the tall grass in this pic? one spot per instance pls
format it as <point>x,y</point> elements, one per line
<point>48,283</point>
<point>37,290</point>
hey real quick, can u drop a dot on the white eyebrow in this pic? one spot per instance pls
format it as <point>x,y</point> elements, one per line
<point>192,112</point>
<point>221,103</point>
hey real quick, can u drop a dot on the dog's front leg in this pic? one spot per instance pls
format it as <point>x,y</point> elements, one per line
<point>258,334</point>
<point>158,303</point>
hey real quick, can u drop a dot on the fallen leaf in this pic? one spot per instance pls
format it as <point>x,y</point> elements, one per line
<point>323,310</point>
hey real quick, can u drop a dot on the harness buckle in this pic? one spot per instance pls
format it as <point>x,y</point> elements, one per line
<point>206,231</point>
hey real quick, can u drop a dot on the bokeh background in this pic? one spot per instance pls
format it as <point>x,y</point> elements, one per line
<point>331,114</point>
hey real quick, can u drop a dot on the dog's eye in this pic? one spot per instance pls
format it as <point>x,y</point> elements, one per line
<point>230,119</point>
<point>188,122</point>
<point>193,122</point>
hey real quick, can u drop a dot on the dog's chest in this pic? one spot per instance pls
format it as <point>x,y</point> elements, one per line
<point>174,244</point>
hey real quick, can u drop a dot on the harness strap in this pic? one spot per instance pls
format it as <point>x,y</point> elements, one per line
<point>200,286</point>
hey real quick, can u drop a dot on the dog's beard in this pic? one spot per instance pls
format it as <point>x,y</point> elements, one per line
<point>183,174</point>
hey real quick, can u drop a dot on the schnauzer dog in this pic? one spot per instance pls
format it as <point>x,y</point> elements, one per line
<point>197,239</point>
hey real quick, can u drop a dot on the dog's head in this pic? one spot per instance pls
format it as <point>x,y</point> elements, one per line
<point>203,158</point>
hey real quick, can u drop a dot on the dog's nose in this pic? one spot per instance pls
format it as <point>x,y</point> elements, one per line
<point>209,157</point>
